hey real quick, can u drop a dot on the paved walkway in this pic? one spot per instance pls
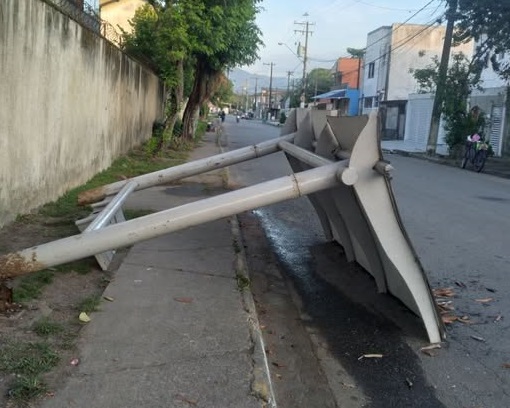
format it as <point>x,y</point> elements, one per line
<point>180,332</point>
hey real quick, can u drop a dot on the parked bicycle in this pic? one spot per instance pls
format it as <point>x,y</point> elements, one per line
<point>476,152</point>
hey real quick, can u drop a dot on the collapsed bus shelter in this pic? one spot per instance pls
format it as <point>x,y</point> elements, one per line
<point>336,162</point>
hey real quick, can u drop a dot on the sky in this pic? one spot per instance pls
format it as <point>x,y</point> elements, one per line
<point>336,25</point>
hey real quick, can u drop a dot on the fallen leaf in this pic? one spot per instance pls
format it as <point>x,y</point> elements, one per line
<point>183,398</point>
<point>184,299</point>
<point>505,365</point>
<point>370,356</point>
<point>108,298</point>
<point>478,338</point>
<point>484,300</point>
<point>84,317</point>
<point>449,319</point>
<point>446,306</point>
<point>443,292</point>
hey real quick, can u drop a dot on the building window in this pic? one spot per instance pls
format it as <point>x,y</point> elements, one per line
<point>371,69</point>
<point>376,101</point>
<point>368,102</point>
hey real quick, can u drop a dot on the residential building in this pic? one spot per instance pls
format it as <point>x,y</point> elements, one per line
<point>346,73</point>
<point>493,100</point>
<point>343,99</point>
<point>392,53</point>
<point>119,12</point>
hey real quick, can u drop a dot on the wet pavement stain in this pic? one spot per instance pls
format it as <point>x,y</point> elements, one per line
<point>349,328</point>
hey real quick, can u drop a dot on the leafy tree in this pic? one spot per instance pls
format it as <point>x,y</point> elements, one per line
<point>319,80</point>
<point>193,42</point>
<point>356,52</point>
<point>226,36</point>
<point>489,23</point>
<point>159,39</point>
<point>224,93</point>
<point>461,79</point>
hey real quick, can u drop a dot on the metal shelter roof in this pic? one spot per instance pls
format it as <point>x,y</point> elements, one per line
<point>336,94</point>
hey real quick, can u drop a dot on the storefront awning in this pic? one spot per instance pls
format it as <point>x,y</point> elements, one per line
<point>336,94</point>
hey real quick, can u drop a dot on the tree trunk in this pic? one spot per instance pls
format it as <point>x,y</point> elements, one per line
<point>175,103</point>
<point>204,84</point>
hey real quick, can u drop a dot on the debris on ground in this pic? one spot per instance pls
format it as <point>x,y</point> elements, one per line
<point>443,292</point>
<point>84,317</point>
<point>431,350</point>
<point>370,356</point>
<point>478,338</point>
<point>484,300</point>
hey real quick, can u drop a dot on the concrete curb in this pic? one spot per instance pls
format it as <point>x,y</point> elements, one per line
<point>261,386</point>
<point>447,162</point>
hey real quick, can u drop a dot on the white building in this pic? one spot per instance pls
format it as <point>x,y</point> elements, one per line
<point>392,52</point>
<point>493,100</point>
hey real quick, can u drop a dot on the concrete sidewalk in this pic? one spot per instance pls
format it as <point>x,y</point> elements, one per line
<point>496,166</point>
<point>180,331</point>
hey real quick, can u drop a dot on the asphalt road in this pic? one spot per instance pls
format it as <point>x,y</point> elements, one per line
<point>458,221</point>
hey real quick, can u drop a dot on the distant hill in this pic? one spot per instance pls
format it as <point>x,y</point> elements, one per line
<point>240,78</point>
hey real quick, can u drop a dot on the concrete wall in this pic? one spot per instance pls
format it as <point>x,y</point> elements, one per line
<point>71,103</point>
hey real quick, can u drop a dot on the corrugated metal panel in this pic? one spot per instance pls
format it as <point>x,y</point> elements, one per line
<point>496,130</point>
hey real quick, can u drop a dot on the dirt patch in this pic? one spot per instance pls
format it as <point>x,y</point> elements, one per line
<point>38,331</point>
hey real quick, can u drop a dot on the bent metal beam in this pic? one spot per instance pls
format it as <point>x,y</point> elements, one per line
<point>352,197</point>
<point>186,170</point>
<point>174,219</point>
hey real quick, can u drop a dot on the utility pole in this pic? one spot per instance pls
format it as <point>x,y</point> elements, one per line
<point>289,73</point>
<point>255,107</point>
<point>271,64</point>
<point>306,31</point>
<point>441,80</point>
<point>246,95</point>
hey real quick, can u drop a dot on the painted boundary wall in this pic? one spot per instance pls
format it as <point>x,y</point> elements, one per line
<point>70,103</point>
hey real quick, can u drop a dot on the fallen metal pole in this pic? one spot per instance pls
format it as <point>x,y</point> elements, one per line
<point>306,156</point>
<point>186,170</point>
<point>174,219</point>
<point>106,215</point>
<point>349,176</point>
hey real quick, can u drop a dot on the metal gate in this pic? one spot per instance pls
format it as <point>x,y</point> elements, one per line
<point>496,130</point>
<point>337,163</point>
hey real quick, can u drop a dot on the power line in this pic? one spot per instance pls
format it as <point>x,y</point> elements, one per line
<point>399,45</point>
<point>401,24</point>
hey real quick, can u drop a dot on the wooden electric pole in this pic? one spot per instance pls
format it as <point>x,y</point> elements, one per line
<point>271,64</point>
<point>441,80</point>
<point>306,31</point>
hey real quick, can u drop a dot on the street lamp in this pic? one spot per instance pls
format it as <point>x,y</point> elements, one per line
<point>290,49</point>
